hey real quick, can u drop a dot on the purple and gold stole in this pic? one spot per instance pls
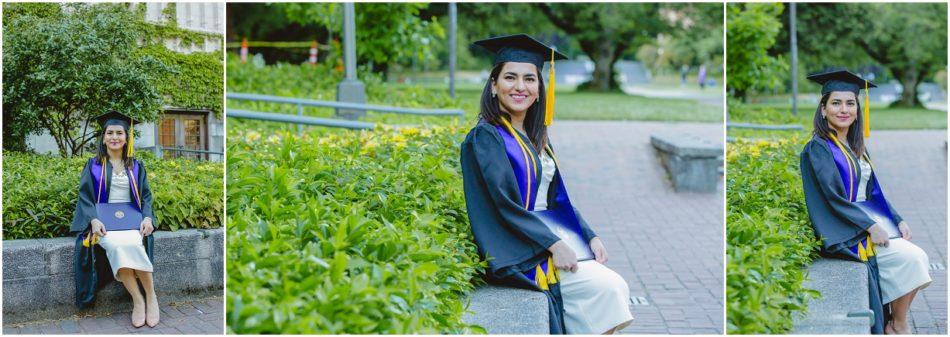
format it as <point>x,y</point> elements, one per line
<point>848,170</point>
<point>526,167</point>
<point>102,190</point>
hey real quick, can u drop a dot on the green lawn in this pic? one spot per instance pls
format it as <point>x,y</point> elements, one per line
<point>573,105</point>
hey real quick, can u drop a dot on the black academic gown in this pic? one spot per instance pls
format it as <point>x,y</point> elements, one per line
<point>508,236</point>
<point>838,223</point>
<point>92,269</point>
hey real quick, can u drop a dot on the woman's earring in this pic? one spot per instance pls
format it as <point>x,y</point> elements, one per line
<point>494,94</point>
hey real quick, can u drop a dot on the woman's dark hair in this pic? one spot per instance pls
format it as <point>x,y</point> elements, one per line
<point>534,126</point>
<point>855,132</point>
<point>103,154</point>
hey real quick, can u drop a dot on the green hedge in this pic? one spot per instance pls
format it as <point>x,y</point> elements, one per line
<point>39,194</point>
<point>347,232</point>
<point>769,237</point>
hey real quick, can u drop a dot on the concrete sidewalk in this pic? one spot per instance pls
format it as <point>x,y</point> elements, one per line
<point>198,317</point>
<point>667,245</point>
<point>711,96</point>
<point>912,170</point>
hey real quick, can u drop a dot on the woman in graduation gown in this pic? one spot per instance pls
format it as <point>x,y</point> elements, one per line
<point>520,214</point>
<point>847,207</point>
<point>113,176</point>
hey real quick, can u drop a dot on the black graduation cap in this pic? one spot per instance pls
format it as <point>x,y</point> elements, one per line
<point>844,80</point>
<point>840,80</point>
<point>117,118</point>
<point>114,118</point>
<point>519,48</point>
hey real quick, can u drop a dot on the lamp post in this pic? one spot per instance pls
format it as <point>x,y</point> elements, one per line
<point>350,90</point>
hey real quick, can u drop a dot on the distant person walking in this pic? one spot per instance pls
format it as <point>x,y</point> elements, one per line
<point>702,76</point>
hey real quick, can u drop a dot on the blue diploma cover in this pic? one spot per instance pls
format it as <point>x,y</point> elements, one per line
<point>119,216</point>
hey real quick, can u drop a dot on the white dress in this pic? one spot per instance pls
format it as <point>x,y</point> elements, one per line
<point>595,297</point>
<point>902,265</point>
<point>124,248</point>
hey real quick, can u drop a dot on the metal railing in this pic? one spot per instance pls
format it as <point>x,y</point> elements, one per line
<point>753,126</point>
<point>301,120</point>
<point>306,120</point>
<point>159,152</point>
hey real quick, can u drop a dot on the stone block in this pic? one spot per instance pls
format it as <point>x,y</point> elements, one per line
<point>504,310</point>
<point>843,306</point>
<point>692,163</point>
<point>29,254</point>
<point>176,246</point>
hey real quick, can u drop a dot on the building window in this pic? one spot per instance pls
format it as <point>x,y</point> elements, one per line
<point>183,131</point>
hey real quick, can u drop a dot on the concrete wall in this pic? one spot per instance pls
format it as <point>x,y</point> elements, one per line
<point>38,274</point>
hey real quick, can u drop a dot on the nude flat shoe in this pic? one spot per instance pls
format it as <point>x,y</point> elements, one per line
<point>152,321</point>
<point>137,322</point>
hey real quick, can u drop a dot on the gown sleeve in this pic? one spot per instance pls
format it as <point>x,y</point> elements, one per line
<point>85,203</point>
<point>488,150</point>
<point>146,194</point>
<point>821,160</point>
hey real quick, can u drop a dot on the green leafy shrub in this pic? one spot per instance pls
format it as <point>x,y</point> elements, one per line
<point>39,194</point>
<point>769,237</point>
<point>767,115</point>
<point>193,80</point>
<point>347,232</point>
<point>760,114</point>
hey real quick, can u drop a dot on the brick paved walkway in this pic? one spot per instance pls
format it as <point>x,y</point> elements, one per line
<point>667,245</point>
<point>200,317</point>
<point>912,167</point>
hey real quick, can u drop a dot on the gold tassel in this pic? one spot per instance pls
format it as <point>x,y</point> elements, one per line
<point>549,101</point>
<point>131,137</point>
<point>552,279</point>
<point>91,239</point>
<point>867,110</point>
<point>862,253</point>
<point>540,279</point>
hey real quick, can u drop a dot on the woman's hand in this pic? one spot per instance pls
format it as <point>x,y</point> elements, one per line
<point>905,230</point>
<point>146,227</point>
<point>600,252</point>
<point>878,235</point>
<point>564,257</point>
<point>98,227</point>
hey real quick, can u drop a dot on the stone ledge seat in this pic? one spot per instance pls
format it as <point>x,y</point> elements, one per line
<point>509,311</point>
<point>693,163</point>
<point>38,275</point>
<point>843,307</point>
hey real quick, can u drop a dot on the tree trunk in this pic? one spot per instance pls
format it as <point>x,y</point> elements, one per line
<point>603,54</point>
<point>909,80</point>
